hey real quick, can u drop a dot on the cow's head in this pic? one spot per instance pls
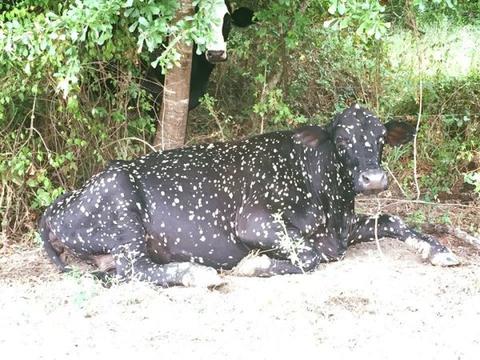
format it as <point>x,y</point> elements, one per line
<point>359,137</point>
<point>216,48</point>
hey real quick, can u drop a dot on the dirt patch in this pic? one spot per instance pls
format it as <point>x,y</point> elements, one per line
<point>388,307</point>
<point>343,302</point>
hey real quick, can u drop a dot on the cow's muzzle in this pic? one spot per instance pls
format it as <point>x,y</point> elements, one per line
<point>372,181</point>
<point>216,56</point>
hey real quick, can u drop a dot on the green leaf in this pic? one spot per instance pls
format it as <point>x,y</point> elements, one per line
<point>143,21</point>
<point>333,8</point>
<point>133,27</point>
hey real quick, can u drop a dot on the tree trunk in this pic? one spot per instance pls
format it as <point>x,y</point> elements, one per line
<point>172,122</point>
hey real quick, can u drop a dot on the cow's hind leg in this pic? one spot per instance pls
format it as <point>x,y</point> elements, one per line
<point>132,262</point>
<point>366,229</point>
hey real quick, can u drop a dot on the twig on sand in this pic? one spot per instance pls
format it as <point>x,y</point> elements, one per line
<point>376,216</point>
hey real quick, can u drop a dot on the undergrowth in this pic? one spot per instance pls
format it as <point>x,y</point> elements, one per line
<point>300,63</point>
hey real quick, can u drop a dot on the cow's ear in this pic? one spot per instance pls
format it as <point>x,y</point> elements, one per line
<point>311,136</point>
<point>242,17</point>
<point>399,132</point>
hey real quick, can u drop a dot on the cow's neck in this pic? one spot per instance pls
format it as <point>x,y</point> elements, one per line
<point>326,173</point>
<point>330,185</point>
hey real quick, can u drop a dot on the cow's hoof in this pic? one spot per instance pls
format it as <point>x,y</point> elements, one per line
<point>444,259</point>
<point>252,266</point>
<point>201,276</point>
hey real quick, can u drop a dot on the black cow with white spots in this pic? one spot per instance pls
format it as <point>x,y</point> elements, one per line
<point>202,63</point>
<point>175,217</point>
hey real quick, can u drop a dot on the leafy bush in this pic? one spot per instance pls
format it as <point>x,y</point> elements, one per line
<point>70,98</point>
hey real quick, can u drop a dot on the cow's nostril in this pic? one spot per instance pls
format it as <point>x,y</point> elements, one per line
<point>216,55</point>
<point>373,180</point>
<point>365,179</point>
<point>215,52</point>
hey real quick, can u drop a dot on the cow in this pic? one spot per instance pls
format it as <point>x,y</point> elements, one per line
<point>178,216</point>
<point>202,63</point>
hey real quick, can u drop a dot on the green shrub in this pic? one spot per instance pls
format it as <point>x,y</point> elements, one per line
<point>70,99</point>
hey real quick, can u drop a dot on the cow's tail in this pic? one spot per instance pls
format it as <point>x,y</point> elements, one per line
<point>46,235</point>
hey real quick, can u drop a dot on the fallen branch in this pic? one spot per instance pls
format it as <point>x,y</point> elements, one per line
<point>451,230</point>
<point>420,202</point>
<point>268,86</point>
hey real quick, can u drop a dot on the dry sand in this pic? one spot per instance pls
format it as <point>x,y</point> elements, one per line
<point>365,306</point>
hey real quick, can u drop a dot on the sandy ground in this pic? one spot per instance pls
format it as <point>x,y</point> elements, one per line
<point>367,306</point>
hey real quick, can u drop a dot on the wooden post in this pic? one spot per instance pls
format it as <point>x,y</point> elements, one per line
<point>172,122</point>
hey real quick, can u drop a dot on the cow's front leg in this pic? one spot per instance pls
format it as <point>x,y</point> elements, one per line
<point>366,229</point>
<point>279,261</point>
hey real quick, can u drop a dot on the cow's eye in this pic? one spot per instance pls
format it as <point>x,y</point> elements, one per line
<point>342,142</point>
